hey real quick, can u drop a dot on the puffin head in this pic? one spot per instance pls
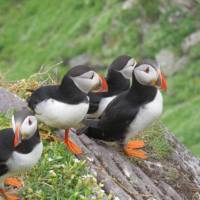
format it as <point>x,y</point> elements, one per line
<point>124,65</point>
<point>148,73</point>
<point>24,125</point>
<point>87,80</point>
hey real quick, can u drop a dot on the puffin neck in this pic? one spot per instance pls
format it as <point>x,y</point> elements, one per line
<point>26,146</point>
<point>70,92</point>
<point>116,82</point>
<point>143,93</point>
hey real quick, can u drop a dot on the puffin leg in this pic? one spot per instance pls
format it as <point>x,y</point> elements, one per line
<point>8,196</point>
<point>16,182</point>
<point>71,146</point>
<point>131,149</point>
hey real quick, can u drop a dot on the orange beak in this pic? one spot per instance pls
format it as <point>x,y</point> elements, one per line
<point>16,139</point>
<point>163,82</point>
<point>102,86</point>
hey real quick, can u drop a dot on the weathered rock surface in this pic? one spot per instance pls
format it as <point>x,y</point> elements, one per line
<point>9,101</point>
<point>175,178</point>
<point>170,63</point>
<point>191,41</point>
<point>185,4</point>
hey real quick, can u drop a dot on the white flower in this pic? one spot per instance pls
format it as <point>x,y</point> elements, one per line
<point>50,159</point>
<point>76,160</point>
<point>52,173</point>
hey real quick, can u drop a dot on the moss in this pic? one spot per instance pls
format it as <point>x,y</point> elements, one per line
<point>157,146</point>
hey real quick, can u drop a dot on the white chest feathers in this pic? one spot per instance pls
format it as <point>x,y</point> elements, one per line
<point>102,106</point>
<point>61,115</point>
<point>146,115</point>
<point>19,162</point>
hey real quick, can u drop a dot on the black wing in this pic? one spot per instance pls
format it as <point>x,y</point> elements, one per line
<point>115,120</point>
<point>40,95</point>
<point>6,144</point>
<point>94,102</point>
<point>3,169</point>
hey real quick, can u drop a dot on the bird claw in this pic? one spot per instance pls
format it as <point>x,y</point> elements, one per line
<point>131,149</point>
<point>16,182</point>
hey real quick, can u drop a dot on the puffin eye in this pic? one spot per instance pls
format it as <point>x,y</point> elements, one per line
<point>92,76</point>
<point>30,122</point>
<point>147,70</point>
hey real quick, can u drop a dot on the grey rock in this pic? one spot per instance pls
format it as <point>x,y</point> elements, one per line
<point>185,4</point>
<point>170,63</point>
<point>181,64</point>
<point>166,59</point>
<point>9,101</point>
<point>190,41</point>
<point>128,4</point>
<point>137,181</point>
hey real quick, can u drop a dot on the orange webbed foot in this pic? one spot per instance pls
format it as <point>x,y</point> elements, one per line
<point>8,196</point>
<point>71,146</point>
<point>132,149</point>
<point>16,182</point>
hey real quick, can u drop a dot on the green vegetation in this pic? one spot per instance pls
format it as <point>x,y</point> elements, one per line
<point>35,34</point>
<point>157,146</point>
<point>42,33</point>
<point>60,176</point>
<point>182,108</point>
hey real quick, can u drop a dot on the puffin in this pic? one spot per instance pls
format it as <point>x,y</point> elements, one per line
<point>132,111</point>
<point>118,79</point>
<point>21,149</point>
<point>64,106</point>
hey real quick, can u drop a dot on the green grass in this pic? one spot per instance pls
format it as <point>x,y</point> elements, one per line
<point>35,33</point>
<point>60,176</point>
<point>182,110</point>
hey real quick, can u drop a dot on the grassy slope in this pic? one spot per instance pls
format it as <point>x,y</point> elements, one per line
<point>36,33</point>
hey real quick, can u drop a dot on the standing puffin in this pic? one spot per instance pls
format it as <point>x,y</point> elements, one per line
<point>132,111</point>
<point>65,105</point>
<point>118,80</point>
<point>21,148</point>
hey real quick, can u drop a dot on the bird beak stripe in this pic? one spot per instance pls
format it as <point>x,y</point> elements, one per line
<point>16,139</point>
<point>102,85</point>
<point>163,81</point>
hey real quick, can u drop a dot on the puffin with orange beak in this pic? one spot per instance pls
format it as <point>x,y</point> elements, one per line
<point>64,106</point>
<point>21,149</point>
<point>132,111</point>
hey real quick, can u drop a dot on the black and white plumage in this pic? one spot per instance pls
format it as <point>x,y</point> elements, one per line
<point>133,110</point>
<point>64,106</point>
<point>118,79</point>
<point>21,147</point>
